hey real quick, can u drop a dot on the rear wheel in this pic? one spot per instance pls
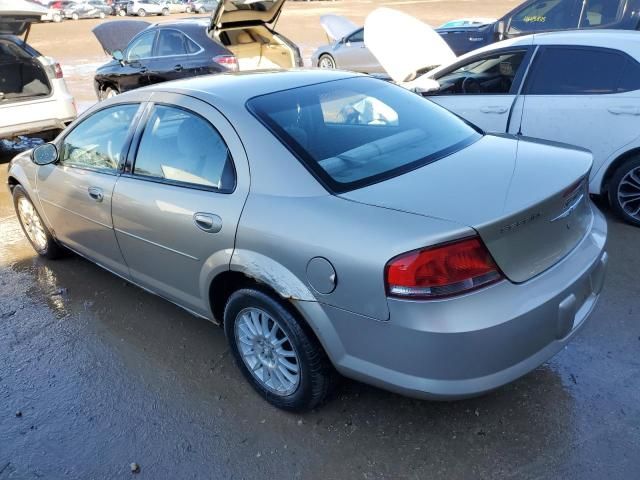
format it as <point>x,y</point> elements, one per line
<point>107,92</point>
<point>624,191</point>
<point>57,18</point>
<point>326,61</point>
<point>75,16</point>
<point>284,364</point>
<point>101,15</point>
<point>142,12</point>
<point>34,228</point>
<point>188,10</point>
<point>165,12</point>
<point>122,13</point>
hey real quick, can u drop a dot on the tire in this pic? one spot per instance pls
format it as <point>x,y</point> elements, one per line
<point>108,92</point>
<point>101,15</point>
<point>165,12</point>
<point>142,12</point>
<point>33,227</point>
<point>624,191</point>
<point>57,18</point>
<point>75,16</point>
<point>288,344</point>
<point>326,61</point>
<point>187,10</point>
<point>122,13</point>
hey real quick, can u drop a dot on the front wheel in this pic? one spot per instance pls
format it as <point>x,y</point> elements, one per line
<point>188,10</point>
<point>75,16</point>
<point>33,227</point>
<point>165,12</point>
<point>624,191</point>
<point>142,13</point>
<point>122,13</point>
<point>102,15</point>
<point>57,18</point>
<point>283,362</point>
<point>326,61</point>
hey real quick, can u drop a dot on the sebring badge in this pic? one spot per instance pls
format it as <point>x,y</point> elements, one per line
<point>520,223</point>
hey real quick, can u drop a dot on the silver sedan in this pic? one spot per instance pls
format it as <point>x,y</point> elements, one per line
<point>330,222</point>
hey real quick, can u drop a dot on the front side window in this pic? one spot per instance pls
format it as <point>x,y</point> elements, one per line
<point>180,146</point>
<point>142,47</point>
<point>545,15</point>
<point>492,75</point>
<point>358,131</point>
<point>578,71</point>
<point>357,37</point>
<point>599,13</point>
<point>98,142</point>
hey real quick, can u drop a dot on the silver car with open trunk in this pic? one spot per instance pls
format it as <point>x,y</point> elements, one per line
<point>330,221</point>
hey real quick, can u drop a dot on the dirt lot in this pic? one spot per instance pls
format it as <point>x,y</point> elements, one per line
<point>75,47</point>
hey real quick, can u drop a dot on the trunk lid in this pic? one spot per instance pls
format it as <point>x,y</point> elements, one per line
<point>116,34</point>
<point>231,13</point>
<point>337,27</point>
<point>403,44</point>
<point>527,200</point>
<point>16,17</point>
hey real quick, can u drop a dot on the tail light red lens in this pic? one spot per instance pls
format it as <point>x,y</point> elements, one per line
<point>57,70</point>
<point>442,271</point>
<point>228,61</point>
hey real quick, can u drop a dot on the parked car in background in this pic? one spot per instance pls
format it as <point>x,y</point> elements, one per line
<point>53,15</point>
<point>346,49</point>
<point>177,6</point>
<point>246,200</point>
<point>536,16</point>
<point>580,88</point>
<point>142,8</point>
<point>203,6</point>
<point>119,7</point>
<point>33,95</point>
<point>87,9</point>
<point>234,39</point>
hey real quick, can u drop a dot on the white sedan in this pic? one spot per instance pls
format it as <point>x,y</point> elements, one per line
<point>580,87</point>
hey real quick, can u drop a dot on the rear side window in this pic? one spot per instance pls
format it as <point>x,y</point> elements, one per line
<point>598,13</point>
<point>173,42</point>
<point>358,131</point>
<point>582,71</point>
<point>181,147</point>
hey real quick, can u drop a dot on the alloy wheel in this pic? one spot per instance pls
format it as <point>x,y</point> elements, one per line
<point>629,193</point>
<point>326,62</point>
<point>32,223</point>
<point>267,351</point>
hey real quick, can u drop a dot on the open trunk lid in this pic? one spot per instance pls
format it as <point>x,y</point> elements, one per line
<point>337,27</point>
<point>16,17</point>
<point>116,34</point>
<point>403,44</point>
<point>231,13</point>
<point>527,200</point>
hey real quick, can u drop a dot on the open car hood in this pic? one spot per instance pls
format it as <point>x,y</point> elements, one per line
<point>116,34</point>
<point>403,44</point>
<point>337,26</point>
<point>16,16</point>
<point>251,12</point>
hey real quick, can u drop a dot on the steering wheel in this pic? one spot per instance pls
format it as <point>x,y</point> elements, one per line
<point>471,85</point>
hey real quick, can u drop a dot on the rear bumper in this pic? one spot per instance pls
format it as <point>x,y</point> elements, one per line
<point>30,117</point>
<point>473,344</point>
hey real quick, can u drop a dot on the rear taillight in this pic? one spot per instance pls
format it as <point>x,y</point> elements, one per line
<point>57,70</point>
<point>228,61</point>
<point>441,271</point>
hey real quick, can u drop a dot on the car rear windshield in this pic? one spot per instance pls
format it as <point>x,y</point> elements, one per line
<point>358,131</point>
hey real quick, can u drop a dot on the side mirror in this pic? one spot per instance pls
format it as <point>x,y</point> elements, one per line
<point>500,29</point>
<point>424,85</point>
<point>118,55</point>
<point>44,154</point>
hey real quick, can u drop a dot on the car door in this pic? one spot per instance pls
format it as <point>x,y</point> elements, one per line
<point>584,96</point>
<point>176,209</point>
<point>483,89</point>
<point>135,68</point>
<point>76,192</point>
<point>353,53</point>
<point>175,57</point>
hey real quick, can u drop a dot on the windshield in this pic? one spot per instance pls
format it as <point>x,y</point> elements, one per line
<point>354,132</point>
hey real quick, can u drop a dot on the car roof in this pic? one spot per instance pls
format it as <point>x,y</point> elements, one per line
<point>238,87</point>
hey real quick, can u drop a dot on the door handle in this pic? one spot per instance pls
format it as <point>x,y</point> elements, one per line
<point>177,68</point>
<point>96,193</point>
<point>494,109</point>
<point>208,222</point>
<point>625,110</point>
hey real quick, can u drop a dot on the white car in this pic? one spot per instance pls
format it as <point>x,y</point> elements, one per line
<point>580,88</point>
<point>33,95</point>
<point>142,8</point>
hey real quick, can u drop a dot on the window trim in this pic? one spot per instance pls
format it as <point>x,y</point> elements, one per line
<point>125,148</point>
<point>129,165</point>
<point>518,80</point>
<point>526,90</point>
